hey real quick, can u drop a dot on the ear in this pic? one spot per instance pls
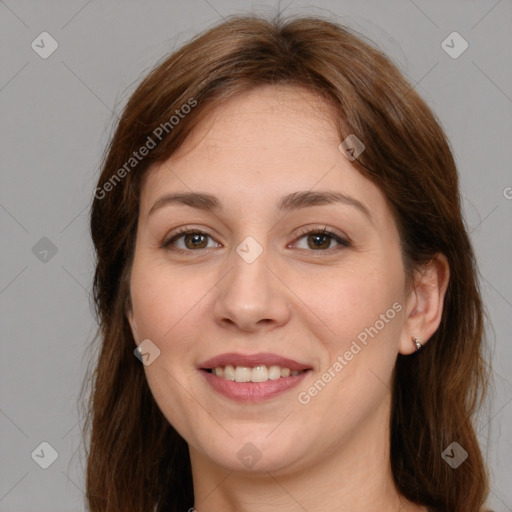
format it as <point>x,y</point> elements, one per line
<point>133,323</point>
<point>424,306</point>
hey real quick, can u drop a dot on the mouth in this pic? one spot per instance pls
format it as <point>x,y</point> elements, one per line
<point>259,373</point>
<point>252,378</point>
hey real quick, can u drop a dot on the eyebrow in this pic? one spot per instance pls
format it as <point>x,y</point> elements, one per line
<point>293,201</point>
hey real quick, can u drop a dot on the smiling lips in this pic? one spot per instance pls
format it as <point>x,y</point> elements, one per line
<point>257,374</point>
<point>252,377</point>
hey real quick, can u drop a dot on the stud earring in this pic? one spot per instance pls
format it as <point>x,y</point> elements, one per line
<point>417,343</point>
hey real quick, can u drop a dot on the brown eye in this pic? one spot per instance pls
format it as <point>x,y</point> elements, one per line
<point>195,241</point>
<point>189,240</point>
<point>321,240</point>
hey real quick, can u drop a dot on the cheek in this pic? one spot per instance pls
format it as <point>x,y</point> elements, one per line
<point>165,302</point>
<point>167,310</point>
<point>357,303</point>
<point>364,319</point>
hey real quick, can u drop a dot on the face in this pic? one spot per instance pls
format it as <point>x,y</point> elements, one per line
<point>290,275</point>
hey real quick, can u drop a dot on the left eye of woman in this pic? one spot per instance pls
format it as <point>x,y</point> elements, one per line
<point>322,239</point>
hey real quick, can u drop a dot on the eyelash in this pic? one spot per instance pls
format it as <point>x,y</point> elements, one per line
<point>185,230</point>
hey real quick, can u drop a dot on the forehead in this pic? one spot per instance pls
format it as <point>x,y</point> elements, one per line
<point>259,146</point>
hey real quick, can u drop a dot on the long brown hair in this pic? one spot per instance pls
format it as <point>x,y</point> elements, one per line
<point>136,461</point>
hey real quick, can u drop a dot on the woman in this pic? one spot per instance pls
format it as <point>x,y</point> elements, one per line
<point>280,242</point>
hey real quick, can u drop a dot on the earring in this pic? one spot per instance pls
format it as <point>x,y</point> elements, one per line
<point>417,343</point>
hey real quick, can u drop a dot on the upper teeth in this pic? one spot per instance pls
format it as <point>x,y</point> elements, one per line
<point>256,374</point>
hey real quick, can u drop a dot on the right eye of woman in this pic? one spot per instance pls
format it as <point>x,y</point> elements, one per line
<point>192,239</point>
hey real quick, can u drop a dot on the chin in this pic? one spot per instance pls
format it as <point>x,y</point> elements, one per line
<point>255,454</point>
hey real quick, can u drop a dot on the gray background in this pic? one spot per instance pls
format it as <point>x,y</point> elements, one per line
<point>56,117</point>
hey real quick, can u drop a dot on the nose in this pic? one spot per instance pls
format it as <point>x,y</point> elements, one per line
<point>251,297</point>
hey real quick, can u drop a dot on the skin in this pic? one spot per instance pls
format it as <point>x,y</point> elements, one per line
<point>295,300</point>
